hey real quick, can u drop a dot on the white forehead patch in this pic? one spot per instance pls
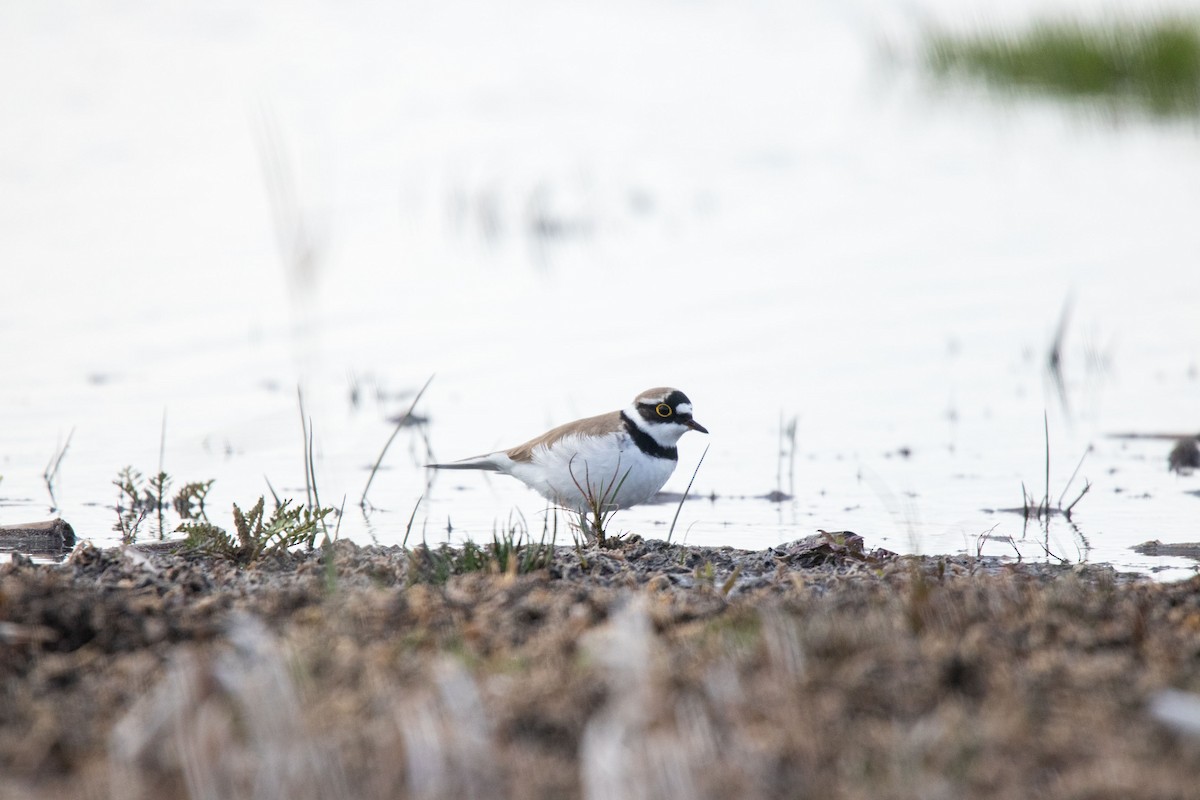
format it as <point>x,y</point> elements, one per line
<point>683,408</point>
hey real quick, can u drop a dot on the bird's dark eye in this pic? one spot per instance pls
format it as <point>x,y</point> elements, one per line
<point>663,410</point>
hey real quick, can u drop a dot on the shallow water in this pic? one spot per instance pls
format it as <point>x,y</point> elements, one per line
<point>554,210</point>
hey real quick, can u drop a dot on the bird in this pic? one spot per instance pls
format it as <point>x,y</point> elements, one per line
<point>602,463</point>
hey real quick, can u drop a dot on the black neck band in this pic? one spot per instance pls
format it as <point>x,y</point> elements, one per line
<point>646,442</point>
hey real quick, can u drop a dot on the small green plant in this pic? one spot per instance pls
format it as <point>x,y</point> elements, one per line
<point>511,552</point>
<point>129,520</point>
<point>287,527</point>
<point>189,500</point>
<point>1042,510</point>
<point>158,485</point>
<point>579,545</point>
<point>138,497</point>
<point>1031,507</point>
<point>135,501</point>
<point>600,499</point>
<point>129,485</point>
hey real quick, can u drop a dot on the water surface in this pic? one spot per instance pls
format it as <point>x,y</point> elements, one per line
<point>554,209</point>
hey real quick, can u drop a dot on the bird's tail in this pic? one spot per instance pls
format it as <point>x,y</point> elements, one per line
<point>484,462</point>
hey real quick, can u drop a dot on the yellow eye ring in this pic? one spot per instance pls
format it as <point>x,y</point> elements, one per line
<point>663,410</point>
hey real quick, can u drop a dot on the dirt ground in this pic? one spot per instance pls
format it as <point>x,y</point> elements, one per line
<point>812,670</point>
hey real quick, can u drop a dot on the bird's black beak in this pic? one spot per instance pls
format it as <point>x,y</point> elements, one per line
<point>696,426</point>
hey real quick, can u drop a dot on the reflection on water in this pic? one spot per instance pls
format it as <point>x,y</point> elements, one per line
<point>742,203</point>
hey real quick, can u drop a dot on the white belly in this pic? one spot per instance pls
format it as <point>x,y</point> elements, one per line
<point>610,468</point>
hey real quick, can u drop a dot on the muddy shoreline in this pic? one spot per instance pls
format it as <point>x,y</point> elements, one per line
<point>814,669</point>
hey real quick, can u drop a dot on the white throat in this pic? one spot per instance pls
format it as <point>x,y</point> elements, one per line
<point>663,433</point>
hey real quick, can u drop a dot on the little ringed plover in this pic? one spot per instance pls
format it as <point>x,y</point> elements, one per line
<point>621,458</point>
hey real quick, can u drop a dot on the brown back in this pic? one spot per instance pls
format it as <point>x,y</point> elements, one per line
<point>591,426</point>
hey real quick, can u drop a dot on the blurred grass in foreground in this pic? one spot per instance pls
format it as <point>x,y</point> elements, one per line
<point>1150,64</point>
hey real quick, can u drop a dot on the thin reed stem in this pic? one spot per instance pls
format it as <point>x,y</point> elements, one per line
<point>363,500</point>
<point>679,508</point>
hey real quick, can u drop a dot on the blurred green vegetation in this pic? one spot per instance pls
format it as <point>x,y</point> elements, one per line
<point>1149,64</point>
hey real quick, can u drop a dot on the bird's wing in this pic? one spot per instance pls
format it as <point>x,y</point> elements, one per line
<point>590,426</point>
